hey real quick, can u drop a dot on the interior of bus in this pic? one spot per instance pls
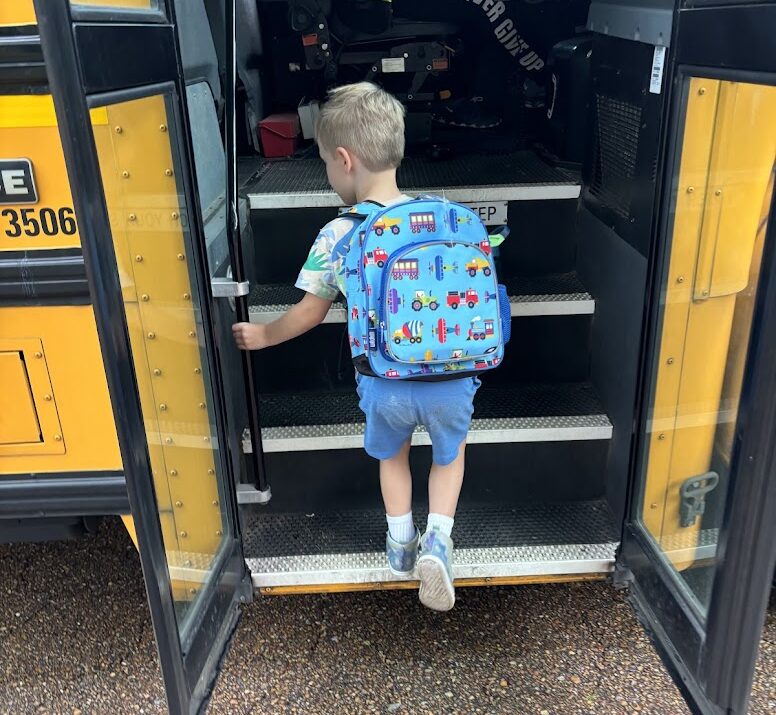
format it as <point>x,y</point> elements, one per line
<point>547,125</point>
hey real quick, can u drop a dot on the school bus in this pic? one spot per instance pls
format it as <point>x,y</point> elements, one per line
<point>629,432</point>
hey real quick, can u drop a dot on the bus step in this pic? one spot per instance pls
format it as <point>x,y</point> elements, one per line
<point>298,422</point>
<point>493,542</point>
<point>557,294</point>
<point>519,176</point>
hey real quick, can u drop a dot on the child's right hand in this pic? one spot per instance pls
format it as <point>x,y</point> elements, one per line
<point>250,337</point>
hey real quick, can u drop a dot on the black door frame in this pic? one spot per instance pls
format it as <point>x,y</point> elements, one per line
<point>712,659</point>
<point>83,59</point>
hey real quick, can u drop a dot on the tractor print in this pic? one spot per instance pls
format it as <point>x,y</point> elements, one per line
<point>478,264</point>
<point>384,223</point>
<point>438,268</point>
<point>480,333</point>
<point>405,268</point>
<point>455,298</point>
<point>378,257</point>
<point>442,329</point>
<point>422,300</point>
<point>411,331</point>
<point>395,301</point>
<point>420,221</point>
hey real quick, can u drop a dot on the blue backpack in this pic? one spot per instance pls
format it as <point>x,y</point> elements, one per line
<point>423,300</point>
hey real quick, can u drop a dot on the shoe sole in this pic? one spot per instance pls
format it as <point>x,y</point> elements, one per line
<point>436,589</point>
<point>401,573</point>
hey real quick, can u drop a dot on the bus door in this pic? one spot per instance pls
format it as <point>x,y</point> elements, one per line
<point>117,79</point>
<point>699,543</point>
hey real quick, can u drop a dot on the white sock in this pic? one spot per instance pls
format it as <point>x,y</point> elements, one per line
<point>440,522</point>
<point>401,528</point>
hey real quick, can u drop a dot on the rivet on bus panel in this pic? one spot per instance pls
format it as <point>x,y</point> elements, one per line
<point>653,505</point>
<point>197,370</point>
<point>145,297</point>
<point>119,130</point>
<point>181,257</point>
<point>162,127</point>
<point>184,534</point>
<point>47,398</point>
<point>718,192</point>
<point>57,437</point>
<point>661,436</point>
<point>670,361</point>
<point>186,296</point>
<point>132,217</point>
<point>151,336</point>
<point>179,503</point>
<point>39,355</point>
<point>174,215</point>
<point>206,439</point>
<point>702,91</point>
<point>168,172</point>
<point>202,405</point>
<point>680,279</point>
<point>211,472</point>
<point>163,407</point>
<point>125,174</point>
<point>168,440</point>
<point>215,502</point>
<point>139,258</point>
<point>173,472</point>
<point>157,372</point>
<point>690,189</point>
<point>192,334</point>
<point>192,591</point>
<point>218,532</point>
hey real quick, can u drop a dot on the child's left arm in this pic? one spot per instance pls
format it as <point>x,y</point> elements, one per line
<point>305,315</point>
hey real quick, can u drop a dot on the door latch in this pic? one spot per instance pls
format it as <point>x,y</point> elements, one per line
<point>227,288</point>
<point>693,496</point>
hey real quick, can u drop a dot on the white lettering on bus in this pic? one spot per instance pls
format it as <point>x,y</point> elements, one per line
<point>13,181</point>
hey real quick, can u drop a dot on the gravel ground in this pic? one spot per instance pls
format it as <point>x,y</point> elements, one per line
<point>76,637</point>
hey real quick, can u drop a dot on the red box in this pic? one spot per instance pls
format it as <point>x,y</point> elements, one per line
<point>280,134</point>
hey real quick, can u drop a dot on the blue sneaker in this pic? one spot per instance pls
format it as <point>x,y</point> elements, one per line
<point>401,557</point>
<point>435,570</point>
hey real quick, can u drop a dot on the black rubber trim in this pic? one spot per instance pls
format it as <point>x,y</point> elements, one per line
<point>25,496</point>
<point>49,277</point>
<point>22,69</point>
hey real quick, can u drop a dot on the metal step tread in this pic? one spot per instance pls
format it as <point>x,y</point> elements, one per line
<point>554,294</point>
<point>515,176</point>
<point>518,413</point>
<point>491,541</point>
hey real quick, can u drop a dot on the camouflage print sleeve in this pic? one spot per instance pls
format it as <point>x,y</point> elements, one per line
<point>321,274</point>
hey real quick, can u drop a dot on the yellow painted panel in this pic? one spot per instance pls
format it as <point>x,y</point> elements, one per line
<point>148,221</point>
<point>17,12</point>
<point>78,385</point>
<point>19,111</point>
<point>18,418</point>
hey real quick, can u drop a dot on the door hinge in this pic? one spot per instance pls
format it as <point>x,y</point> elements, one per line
<point>227,288</point>
<point>693,497</point>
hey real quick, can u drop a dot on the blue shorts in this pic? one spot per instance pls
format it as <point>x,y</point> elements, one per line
<point>394,408</point>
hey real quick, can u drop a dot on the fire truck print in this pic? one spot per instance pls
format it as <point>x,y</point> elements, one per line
<point>377,257</point>
<point>411,331</point>
<point>485,246</point>
<point>478,264</point>
<point>392,373</point>
<point>420,221</point>
<point>477,332</point>
<point>439,268</point>
<point>455,298</point>
<point>354,313</point>
<point>408,268</point>
<point>421,300</point>
<point>442,329</point>
<point>384,224</point>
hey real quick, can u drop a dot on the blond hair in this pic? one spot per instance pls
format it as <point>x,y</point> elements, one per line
<point>366,120</point>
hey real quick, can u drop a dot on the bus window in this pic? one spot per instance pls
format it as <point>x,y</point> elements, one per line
<point>721,212</point>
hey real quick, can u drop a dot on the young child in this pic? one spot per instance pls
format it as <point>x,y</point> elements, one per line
<point>360,135</point>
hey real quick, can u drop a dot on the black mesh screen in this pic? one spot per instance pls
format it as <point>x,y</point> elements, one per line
<point>618,124</point>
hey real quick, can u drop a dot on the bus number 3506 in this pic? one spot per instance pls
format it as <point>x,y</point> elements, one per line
<point>31,222</point>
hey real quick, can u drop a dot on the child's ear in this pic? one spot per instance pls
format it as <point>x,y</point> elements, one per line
<point>345,158</point>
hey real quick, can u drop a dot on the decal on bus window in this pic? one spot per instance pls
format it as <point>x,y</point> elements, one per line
<point>17,183</point>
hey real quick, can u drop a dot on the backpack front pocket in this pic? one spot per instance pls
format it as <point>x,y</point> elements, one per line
<point>440,304</point>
